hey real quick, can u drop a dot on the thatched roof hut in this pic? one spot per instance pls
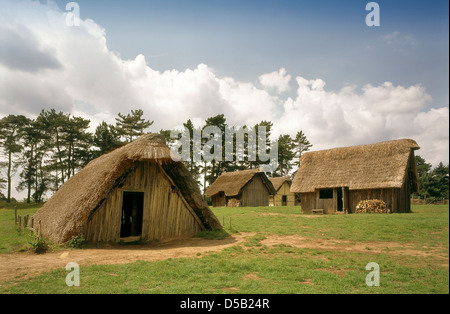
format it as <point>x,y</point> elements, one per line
<point>138,183</point>
<point>283,195</point>
<point>277,182</point>
<point>248,187</point>
<point>336,179</point>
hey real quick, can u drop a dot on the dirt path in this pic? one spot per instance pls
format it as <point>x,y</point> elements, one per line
<point>25,265</point>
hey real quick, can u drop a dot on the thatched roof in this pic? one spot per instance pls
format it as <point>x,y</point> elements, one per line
<point>231,183</point>
<point>68,210</point>
<point>278,182</point>
<point>380,165</point>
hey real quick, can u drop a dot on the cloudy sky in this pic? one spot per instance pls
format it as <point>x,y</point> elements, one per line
<point>304,65</point>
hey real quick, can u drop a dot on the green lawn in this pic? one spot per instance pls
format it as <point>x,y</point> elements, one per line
<point>12,239</point>
<point>253,267</point>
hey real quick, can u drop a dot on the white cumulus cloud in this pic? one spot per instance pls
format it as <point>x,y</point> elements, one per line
<point>276,80</point>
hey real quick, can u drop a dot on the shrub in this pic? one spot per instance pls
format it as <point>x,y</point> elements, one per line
<point>39,245</point>
<point>76,242</point>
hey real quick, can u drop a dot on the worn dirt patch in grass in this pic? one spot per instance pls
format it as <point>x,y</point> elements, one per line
<point>25,265</point>
<point>20,266</point>
<point>377,247</point>
<point>252,276</point>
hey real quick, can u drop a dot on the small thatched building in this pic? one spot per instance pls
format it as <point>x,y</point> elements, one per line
<point>337,179</point>
<point>246,188</point>
<point>283,196</point>
<point>136,191</point>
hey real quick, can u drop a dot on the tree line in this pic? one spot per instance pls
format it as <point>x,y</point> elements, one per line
<point>51,148</point>
<point>54,146</point>
<point>205,172</point>
<point>433,182</point>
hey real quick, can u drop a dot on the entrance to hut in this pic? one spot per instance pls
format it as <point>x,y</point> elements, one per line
<point>132,212</point>
<point>284,200</point>
<point>340,201</point>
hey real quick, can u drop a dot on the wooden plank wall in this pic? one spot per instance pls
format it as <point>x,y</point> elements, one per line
<point>277,200</point>
<point>165,215</point>
<point>219,200</point>
<point>390,196</point>
<point>308,202</point>
<point>397,199</point>
<point>255,193</point>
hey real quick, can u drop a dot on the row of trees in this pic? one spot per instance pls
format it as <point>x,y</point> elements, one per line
<point>204,172</point>
<point>51,148</point>
<point>434,182</point>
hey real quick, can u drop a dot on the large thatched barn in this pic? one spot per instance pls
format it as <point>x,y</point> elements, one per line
<point>242,188</point>
<point>337,179</point>
<point>283,196</point>
<point>136,191</point>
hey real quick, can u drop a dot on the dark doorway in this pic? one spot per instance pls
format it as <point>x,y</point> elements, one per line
<point>132,210</point>
<point>284,200</point>
<point>340,203</point>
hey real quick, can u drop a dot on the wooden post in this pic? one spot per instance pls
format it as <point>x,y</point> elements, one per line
<point>230,223</point>
<point>32,222</point>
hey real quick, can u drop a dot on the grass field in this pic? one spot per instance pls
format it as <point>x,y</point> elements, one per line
<point>282,251</point>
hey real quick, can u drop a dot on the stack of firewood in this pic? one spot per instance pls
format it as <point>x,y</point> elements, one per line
<point>232,202</point>
<point>372,206</point>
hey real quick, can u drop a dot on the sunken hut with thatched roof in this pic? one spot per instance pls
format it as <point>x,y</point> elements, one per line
<point>283,195</point>
<point>241,188</point>
<point>335,180</point>
<point>136,191</point>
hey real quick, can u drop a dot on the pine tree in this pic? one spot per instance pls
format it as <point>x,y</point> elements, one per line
<point>77,142</point>
<point>286,154</point>
<point>132,124</point>
<point>10,135</point>
<point>302,145</point>
<point>54,123</point>
<point>106,138</point>
<point>34,137</point>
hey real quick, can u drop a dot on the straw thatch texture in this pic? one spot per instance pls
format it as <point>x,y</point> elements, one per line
<point>374,166</point>
<point>66,213</point>
<point>231,183</point>
<point>277,182</point>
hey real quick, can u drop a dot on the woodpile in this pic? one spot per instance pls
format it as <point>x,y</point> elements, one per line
<point>372,206</point>
<point>232,202</point>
